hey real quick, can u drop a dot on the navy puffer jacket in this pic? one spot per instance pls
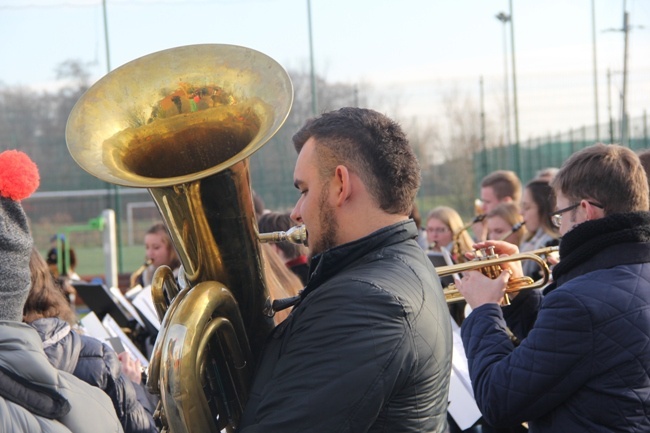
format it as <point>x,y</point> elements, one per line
<point>585,366</point>
<point>96,364</point>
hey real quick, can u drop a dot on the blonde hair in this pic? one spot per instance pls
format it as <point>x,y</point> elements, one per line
<point>452,219</point>
<point>161,230</point>
<point>509,212</point>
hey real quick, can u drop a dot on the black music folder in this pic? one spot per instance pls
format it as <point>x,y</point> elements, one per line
<point>437,260</point>
<point>101,301</point>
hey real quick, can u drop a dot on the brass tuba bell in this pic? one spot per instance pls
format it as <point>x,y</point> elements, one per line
<point>183,123</point>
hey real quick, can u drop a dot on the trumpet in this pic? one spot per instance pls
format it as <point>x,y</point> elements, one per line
<point>489,263</point>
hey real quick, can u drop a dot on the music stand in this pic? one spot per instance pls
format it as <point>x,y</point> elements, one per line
<point>100,300</point>
<point>437,260</point>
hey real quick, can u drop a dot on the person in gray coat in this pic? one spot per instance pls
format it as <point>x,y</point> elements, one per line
<point>47,310</point>
<point>34,396</point>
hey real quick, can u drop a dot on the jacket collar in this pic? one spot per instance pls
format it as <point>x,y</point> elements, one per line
<point>617,239</point>
<point>329,263</point>
<point>589,238</point>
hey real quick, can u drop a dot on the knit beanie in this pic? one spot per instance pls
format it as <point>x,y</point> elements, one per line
<point>18,180</point>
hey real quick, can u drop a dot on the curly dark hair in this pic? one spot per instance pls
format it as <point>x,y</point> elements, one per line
<point>371,145</point>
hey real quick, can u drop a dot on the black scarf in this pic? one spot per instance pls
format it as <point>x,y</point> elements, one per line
<point>591,237</point>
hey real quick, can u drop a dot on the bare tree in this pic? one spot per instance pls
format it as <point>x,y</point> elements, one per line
<point>462,141</point>
<point>272,166</point>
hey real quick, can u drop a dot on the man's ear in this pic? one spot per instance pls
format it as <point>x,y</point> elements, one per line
<point>592,212</point>
<point>342,184</point>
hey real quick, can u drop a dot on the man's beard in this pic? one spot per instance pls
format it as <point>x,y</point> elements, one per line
<point>328,225</point>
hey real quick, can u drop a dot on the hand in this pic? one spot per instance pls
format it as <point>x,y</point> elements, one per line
<point>131,367</point>
<point>477,289</point>
<point>502,249</point>
<point>553,259</point>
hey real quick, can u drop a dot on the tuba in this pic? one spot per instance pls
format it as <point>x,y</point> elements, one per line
<point>183,123</point>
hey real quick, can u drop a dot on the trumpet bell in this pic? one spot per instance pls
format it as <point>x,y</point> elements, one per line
<point>131,126</point>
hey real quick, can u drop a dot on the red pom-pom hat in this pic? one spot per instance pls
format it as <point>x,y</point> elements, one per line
<point>19,176</point>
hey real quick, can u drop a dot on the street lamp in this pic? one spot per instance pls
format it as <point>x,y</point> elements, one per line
<point>504,18</point>
<point>113,190</point>
<point>514,92</point>
<point>314,101</point>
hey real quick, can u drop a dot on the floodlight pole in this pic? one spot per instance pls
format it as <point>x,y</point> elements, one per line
<point>514,93</point>
<point>314,100</point>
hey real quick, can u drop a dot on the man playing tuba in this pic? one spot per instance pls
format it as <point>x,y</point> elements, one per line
<point>368,346</point>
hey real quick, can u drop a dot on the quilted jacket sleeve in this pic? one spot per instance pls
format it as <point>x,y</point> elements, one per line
<point>99,366</point>
<point>514,385</point>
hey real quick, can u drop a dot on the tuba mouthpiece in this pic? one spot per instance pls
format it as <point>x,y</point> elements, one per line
<point>295,235</point>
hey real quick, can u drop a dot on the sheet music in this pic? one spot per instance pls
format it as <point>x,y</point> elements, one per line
<point>121,299</point>
<point>108,329</point>
<point>114,329</point>
<point>93,327</point>
<point>144,304</point>
<point>462,406</point>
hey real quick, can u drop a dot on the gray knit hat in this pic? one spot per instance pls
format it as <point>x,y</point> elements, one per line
<point>18,180</point>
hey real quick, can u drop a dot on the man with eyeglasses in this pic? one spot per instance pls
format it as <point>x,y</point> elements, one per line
<point>585,365</point>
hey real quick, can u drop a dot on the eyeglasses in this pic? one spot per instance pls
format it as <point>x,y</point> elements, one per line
<point>556,217</point>
<point>438,230</point>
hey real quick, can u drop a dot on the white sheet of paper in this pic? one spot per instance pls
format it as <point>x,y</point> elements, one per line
<point>93,327</point>
<point>462,406</point>
<point>144,304</point>
<point>117,293</point>
<point>115,331</point>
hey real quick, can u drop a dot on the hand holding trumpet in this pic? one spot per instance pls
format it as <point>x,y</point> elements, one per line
<point>502,249</point>
<point>478,289</point>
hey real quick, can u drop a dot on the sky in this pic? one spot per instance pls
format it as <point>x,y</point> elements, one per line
<point>412,55</point>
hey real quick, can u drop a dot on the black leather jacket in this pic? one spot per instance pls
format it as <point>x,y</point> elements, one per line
<point>367,349</point>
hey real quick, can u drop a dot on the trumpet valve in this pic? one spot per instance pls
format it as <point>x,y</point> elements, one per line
<point>484,254</point>
<point>491,271</point>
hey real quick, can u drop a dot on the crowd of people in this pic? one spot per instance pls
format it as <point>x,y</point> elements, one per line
<point>366,341</point>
